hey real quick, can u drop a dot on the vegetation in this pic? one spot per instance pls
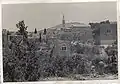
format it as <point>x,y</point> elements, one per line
<point>35,31</point>
<point>22,29</point>
<point>45,31</point>
<point>23,62</point>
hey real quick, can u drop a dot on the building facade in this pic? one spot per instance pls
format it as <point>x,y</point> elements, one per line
<point>104,33</point>
<point>68,32</point>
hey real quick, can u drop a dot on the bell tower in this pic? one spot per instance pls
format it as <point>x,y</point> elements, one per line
<point>63,21</point>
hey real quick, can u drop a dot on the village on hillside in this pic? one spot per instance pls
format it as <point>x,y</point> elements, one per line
<point>68,51</point>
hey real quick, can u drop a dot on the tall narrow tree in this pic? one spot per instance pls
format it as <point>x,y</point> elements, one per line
<point>45,31</point>
<point>40,38</point>
<point>35,31</point>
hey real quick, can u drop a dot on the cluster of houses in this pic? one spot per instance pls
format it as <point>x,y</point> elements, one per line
<point>62,36</point>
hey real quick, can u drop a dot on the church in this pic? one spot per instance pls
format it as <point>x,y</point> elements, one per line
<point>68,32</point>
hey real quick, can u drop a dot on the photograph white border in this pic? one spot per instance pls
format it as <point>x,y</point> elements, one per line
<point>50,1</point>
<point>61,82</point>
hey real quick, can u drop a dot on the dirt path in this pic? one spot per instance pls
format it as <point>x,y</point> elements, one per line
<point>80,77</point>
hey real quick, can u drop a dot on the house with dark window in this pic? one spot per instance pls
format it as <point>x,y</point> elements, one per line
<point>108,33</point>
<point>104,33</point>
<point>62,48</point>
<point>68,32</point>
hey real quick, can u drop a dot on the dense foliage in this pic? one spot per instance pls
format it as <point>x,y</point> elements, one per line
<point>25,61</point>
<point>27,66</point>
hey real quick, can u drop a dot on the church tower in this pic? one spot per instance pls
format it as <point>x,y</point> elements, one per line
<point>63,21</point>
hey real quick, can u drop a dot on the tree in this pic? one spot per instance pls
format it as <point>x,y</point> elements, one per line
<point>35,31</point>
<point>8,33</point>
<point>45,31</point>
<point>40,37</point>
<point>22,29</point>
<point>14,62</point>
<point>115,42</point>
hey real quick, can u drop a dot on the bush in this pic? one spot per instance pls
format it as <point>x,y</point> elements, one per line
<point>23,64</point>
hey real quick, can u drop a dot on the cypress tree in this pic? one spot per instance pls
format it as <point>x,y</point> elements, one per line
<point>35,31</point>
<point>40,37</point>
<point>45,31</point>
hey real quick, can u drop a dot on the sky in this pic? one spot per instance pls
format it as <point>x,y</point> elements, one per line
<point>45,15</point>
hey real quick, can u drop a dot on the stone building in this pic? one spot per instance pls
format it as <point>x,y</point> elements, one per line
<point>68,32</point>
<point>15,38</point>
<point>108,33</point>
<point>38,37</point>
<point>73,31</point>
<point>33,37</point>
<point>62,48</point>
<point>104,33</point>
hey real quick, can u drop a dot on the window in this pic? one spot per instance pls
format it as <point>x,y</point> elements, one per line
<point>108,31</point>
<point>64,48</point>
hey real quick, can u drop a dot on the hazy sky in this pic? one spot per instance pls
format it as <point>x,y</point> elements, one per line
<point>48,15</point>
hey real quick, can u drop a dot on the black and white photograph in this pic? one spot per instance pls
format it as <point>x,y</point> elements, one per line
<point>59,41</point>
